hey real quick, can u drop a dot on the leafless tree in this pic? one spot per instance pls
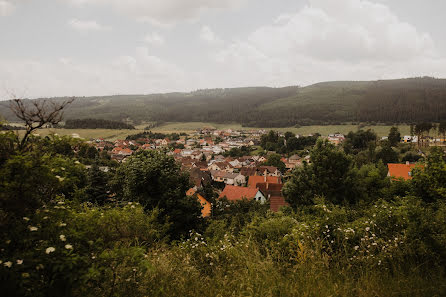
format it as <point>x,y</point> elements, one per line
<point>37,114</point>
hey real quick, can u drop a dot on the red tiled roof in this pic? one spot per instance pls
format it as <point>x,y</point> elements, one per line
<point>254,180</point>
<point>402,170</point>
<point>276,202</point>
<point>270,189</point>
<point>238,193</point>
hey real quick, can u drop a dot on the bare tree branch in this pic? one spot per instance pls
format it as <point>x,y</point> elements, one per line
<point>37,114</point>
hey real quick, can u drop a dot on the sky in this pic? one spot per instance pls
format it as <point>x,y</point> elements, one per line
<point>108,47</point>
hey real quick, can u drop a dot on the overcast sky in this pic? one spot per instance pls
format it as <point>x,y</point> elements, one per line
<point>106,47</point>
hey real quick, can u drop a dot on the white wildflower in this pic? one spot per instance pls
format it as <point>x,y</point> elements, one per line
<point>62,224</point>
<point>19,262</point>
<point>8,264</point>
<point>68,246</point>
<point>367,229</point>
<point>32,228</point>
<point>60,178</point>
<point>62,237</point>
<point>356,247</point>
<point>50,250</point>
<point>26,218</point>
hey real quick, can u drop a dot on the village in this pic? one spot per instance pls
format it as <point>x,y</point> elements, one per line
<point>206,155</point>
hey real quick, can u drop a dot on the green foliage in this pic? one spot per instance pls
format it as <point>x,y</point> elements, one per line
<point>387,154</point>
<point>330,175</point>
<point>28,180</point>
<point>351,230</point>
<point>65,250</point>
<point>394,136</point>
<point>430,183</point>
<point>275,160</point>
<point>238,152</point>
<point>155,180</point>
<point>97,189</point>
<point>287,144</point>
<point>358,141</point>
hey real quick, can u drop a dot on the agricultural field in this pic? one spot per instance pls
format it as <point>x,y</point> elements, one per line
<point>175,127</point>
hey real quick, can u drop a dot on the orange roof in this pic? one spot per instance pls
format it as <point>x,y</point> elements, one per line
<point>254,180</point>
<point>177,151</point>
<point>191,192</point>
<point>238,193</point>
<point>402,170</point>
<point>207,206</point>
<point>276,202</point>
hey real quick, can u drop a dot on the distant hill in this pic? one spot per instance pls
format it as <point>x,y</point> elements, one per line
<point>390,101</point>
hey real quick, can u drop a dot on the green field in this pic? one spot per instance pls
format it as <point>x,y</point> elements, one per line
<point>305,130</point>
<point>193,126</point>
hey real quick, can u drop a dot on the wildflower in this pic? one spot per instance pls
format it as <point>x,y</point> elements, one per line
<point>60,178</point>
<point>68,246</point>
<point>31,228</point>
<point>45,218</point>
<point>367,229</point>
<point>62,237</point>
<point>19,262</point>
<point>62,224</point>
<point>356,247</point>
<point>25,275</point>
<point>39,267</point>
<point>211,263</point>
<point>50,250</point>
<point>8,264</point>
<point>26,218</point>
<point>8,241</point>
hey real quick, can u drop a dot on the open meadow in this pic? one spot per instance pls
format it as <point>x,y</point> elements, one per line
<point>176,127</point>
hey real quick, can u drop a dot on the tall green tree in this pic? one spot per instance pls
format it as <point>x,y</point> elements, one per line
<point>331,174</point>
<point>429,183</point>
<point>275,160</point>
<point>155,180</point>
<point>97,189</point>
<point>387,154</point>
<point>394,136</point>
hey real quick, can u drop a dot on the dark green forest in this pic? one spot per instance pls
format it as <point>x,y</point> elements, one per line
<point>96,124</point>
<point>410,100</point>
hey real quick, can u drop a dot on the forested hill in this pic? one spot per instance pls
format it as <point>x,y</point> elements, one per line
<point>391,101</point>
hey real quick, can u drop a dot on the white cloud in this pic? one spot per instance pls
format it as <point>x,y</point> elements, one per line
<point>343,39</point>
<point>206,34</point>
<point>87,25</point>
<point>154,39</point>
<point>6,8</point>
<point>163,11</point>
<point>139,73</point>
